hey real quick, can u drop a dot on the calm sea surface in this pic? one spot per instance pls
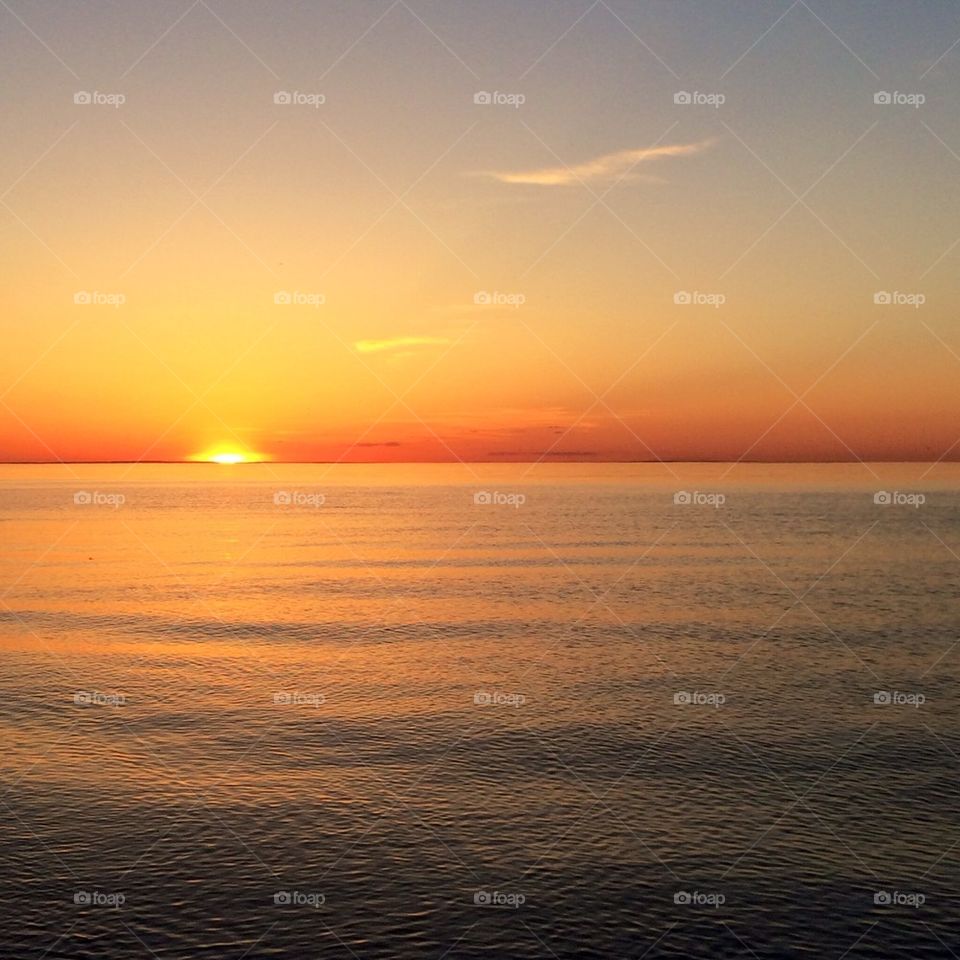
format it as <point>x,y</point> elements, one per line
<point>422,712</point>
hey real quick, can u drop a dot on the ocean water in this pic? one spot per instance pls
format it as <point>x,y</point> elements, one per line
<point>628,711</point>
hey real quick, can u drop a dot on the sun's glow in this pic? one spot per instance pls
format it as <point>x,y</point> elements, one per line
<point>226,455</point>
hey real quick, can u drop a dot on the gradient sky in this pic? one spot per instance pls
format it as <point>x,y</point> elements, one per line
<point>399,203</point>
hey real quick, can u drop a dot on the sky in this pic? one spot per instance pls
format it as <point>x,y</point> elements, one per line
<point>405,230</point>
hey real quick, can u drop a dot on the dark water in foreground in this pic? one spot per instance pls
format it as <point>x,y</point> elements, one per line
<point>239,727</point>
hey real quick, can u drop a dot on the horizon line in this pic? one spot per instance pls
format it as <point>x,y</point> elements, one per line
<point>462,462</point>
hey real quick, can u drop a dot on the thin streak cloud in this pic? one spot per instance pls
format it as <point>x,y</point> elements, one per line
<point>607,167</point>
<point>398,343</point>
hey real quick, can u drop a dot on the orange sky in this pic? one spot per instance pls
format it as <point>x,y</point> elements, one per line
<point>400,273</point>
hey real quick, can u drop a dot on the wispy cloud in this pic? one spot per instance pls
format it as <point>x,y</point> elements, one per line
<point>399,343</point>
<point>608,167</point>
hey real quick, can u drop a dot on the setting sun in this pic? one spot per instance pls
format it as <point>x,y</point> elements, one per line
<point>219,455</point>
